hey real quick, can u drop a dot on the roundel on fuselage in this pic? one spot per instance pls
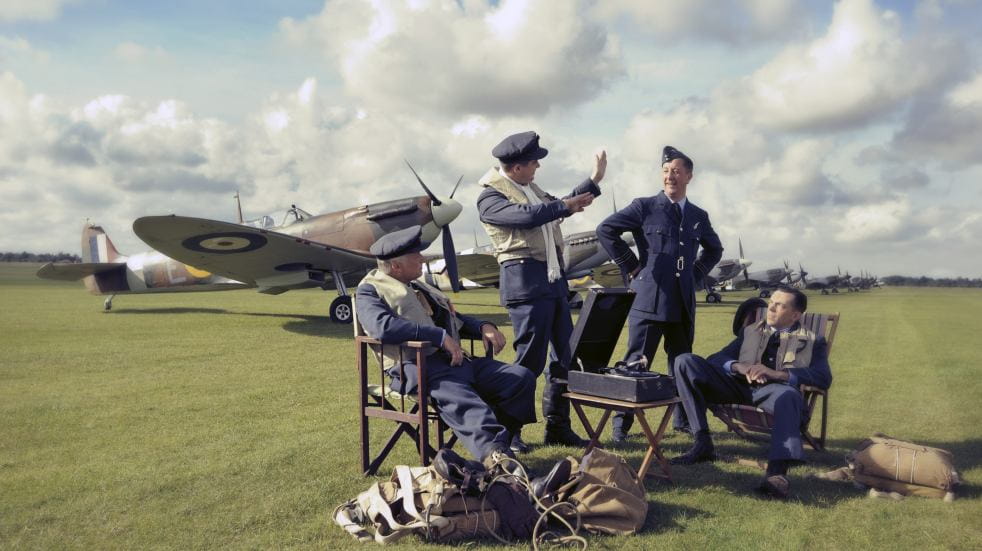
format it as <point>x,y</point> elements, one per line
<point>225,242</point>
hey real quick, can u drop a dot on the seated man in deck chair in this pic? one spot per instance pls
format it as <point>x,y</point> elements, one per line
<point>763,367</point>
<point>483,400</point>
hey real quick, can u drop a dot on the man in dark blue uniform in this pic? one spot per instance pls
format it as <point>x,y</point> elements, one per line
<point>763,367</point>
<point>483,400</point>
<point>523,224</point>
<point>668,229</point>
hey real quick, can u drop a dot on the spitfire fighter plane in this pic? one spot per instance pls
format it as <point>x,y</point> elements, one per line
<point>303,251</point>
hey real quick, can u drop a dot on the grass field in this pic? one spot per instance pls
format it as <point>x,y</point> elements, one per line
<point>210,420</point>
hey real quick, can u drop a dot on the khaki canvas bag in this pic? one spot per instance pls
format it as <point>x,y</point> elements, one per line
<point>893,465</point>
<point>606,493</point>
<point>416,501</point>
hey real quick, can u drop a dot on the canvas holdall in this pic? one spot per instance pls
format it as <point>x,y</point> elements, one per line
<point>606,494</point>
<point>905,468</point>
<point>416,501</point>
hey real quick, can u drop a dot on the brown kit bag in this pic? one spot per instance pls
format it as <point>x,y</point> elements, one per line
<point>905,468</point>
<point>606,494</point>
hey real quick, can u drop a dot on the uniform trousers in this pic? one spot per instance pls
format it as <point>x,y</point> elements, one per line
<point>700,383</point>
<point>481,400</point>
<point>537,323</point>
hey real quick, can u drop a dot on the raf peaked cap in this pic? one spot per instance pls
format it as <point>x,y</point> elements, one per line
<point>519,148</point>
<point>398,243</point>
<point>670,153</point>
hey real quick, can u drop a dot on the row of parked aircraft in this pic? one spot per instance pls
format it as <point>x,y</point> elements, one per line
<point>330,251</point>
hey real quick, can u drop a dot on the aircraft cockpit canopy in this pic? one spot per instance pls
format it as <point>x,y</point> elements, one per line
<point>262,223</point>
<point>293,215</point>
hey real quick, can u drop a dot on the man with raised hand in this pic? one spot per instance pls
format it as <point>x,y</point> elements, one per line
<point>523,222</point>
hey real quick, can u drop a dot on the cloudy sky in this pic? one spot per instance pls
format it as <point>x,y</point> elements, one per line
<point>845,133</point>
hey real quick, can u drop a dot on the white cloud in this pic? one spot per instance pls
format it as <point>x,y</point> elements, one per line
<point>38,10</point>
<point>729,21</point>
<point>862,67</point>
<point>876,222</point>
<point>134,53</point>
<point>945,129</point>
<point>18,48</point>
<point>441,59</point>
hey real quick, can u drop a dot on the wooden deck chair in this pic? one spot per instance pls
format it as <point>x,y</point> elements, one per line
<point>742,419</point>
<point>413,414</point>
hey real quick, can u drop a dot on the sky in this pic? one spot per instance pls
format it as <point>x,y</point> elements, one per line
<point>832,134</point>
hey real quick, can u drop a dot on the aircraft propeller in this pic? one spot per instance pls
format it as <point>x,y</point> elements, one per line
<point>801,270</point>
<point>746,276</point>
<point>442,217</point>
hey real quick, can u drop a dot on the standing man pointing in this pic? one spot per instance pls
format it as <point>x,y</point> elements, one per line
<point>668,229</point>
<point>523,224</point>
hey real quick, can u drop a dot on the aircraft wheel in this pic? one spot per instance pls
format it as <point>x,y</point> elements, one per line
<point>835,290</point>
<point>108,305</point>
<point>713,298</point>
<point>765,293</point>
<point>341,311</point>
<point>825,291</point>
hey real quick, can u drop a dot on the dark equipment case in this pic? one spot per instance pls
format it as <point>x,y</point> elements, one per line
<point>594,337</point>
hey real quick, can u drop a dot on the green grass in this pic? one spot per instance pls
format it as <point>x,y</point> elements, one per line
<point>228,420</point>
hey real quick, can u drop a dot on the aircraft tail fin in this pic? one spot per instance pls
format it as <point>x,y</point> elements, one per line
<point>96,245</point>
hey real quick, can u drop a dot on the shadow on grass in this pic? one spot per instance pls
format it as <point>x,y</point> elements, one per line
<point>169,311</point>
<point>312,326</point>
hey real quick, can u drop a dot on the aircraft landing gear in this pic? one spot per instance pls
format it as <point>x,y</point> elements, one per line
<point>835,290</point>
<point>764,293</point>
<point>713,298</point>
<point>108,305</point>
<point>341,311</point>
<point>825,291</point>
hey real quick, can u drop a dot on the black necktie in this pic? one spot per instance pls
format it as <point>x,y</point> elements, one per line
<point>678,210</point>
<point>770,353</point>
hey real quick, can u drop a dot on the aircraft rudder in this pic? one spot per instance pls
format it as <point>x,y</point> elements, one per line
<point>96,245</point>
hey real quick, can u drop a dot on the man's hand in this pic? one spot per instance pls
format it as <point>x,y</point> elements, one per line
<point>599,167</point>
<point>759,373</point>
<point>578,202</point>
<point>493,337</point>
<point>453,348</point>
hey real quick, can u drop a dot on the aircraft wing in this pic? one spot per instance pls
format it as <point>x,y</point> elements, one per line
<point>250,255</point>
<point>75,272</point>
<point>479,267</point>
<point>608,275</point>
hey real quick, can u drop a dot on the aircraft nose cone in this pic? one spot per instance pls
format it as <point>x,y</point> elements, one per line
<point>446,211</point>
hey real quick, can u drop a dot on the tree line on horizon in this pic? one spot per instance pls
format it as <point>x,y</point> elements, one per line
<point>894,280</point>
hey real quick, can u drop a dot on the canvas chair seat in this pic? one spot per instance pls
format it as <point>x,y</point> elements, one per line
<point>743,419</point>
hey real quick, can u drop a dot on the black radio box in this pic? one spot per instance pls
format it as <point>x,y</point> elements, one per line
<point>594,337</point>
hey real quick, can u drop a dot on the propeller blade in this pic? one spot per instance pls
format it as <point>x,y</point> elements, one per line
<point>433,198</point>
<point>455,185</point>
<point>740,241</point>
<point>450,259</point>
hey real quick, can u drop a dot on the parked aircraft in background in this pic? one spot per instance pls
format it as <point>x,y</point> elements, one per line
<point>723,272</point>
<point>303,251</point>
<point>764,280</point>
<point>107,272</point>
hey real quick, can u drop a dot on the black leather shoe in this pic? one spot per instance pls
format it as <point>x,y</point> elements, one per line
<point>518,445</point>
<point>563,436</point>
<point>701,452</point>
<point>546,486</point>
<point>775,486</point>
